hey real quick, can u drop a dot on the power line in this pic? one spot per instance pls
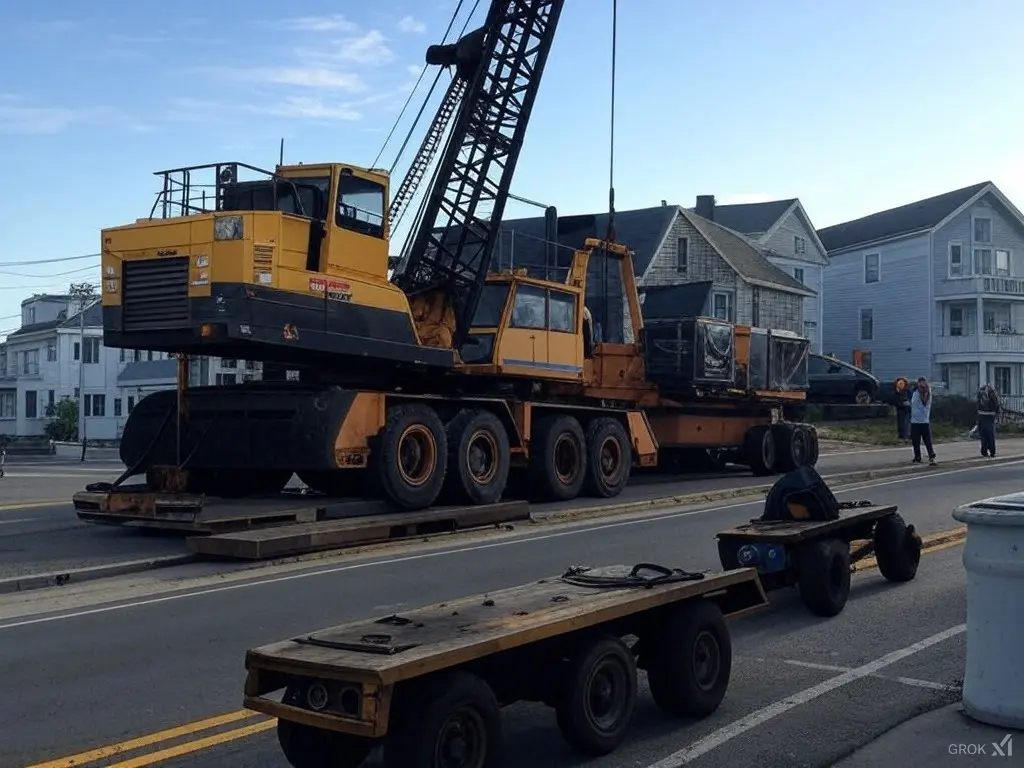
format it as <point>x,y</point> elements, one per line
<point>49,261</point>
<point>55,274</point>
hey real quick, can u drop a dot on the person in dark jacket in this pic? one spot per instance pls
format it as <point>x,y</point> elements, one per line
<point>902,387</point>
<point>988,409</point>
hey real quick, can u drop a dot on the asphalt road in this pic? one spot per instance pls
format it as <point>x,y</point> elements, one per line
<point>39,534</point>
<point>97,673</point>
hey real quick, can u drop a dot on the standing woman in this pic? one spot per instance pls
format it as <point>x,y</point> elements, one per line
<point>921,420</point>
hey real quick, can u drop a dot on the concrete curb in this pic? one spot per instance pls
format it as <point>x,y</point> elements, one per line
<point>78,575</point>
<point>725,494</point>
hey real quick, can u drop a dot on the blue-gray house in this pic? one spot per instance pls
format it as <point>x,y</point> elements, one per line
<point>933,288</point>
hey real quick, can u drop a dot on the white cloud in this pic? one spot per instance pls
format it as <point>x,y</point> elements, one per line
<point>332,23</point>
<point>19,119</point>
<point>310,108</point>
<point>369,48</point>
<point>412,26</point>
<point>301,77</point>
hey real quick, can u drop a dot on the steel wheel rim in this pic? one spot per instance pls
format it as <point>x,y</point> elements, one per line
<point>706,660</point>
<point>482,456</point>
<point>567,458</point>
<point>462,742</point>
<point>416,449</point>
<point>610,458</point>
<point>604,697</point>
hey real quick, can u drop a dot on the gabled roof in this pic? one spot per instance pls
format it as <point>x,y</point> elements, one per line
<point>642,229</point>
<point>920,216</point>
<point>744,256</point>
<point>752,218</point>
<point>47,325</point>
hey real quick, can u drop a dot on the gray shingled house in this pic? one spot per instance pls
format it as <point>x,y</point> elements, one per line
<point>673,245</point>
<point>933,288</point>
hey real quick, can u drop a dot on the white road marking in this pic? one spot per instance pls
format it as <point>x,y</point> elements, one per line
<point>512,541</point>
<point>17,520</point>
<point>911,681</point>
<point>760,717</point>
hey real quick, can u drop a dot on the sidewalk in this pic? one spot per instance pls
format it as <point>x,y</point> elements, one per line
<point>944,736</point>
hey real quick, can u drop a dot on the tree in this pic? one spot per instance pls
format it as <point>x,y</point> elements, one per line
<point>63,424</point>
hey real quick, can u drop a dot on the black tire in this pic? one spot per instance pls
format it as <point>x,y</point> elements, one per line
<point>609,458</point>
<point>597,698</point>
<point>336,483</point>
<point>689,659</point>
<point>478,457</point>
<point>558,458</point>
<point>862,396</point>
<point>783,435</point>
<point>439,711</point>
<point>307,747</point>
<point>897,549</point>
<point>812,442</point>
<point>759,450</point>
<point>824,576</point>
<point>411,456</point>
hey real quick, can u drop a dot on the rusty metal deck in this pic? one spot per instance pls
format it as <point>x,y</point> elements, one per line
<point>793,531</point>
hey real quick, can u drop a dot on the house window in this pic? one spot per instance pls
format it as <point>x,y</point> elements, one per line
<point>682,255</point>
<point>983,230</point>
<point>95,405</point>
<point>77,354</point>
<point>123,352</point>
<point>30,362</point>
<point>871,267</point>
<point>983,263</point>
<point>131,403</point>
<point>51,397</point>
<point>117,406</point>
<point>8,404</point>
<point>867,324</point>
<point>798,274</point>
<point>1002,263</point>
<point>225,378</point>
<point>31,404</point>
<point>1001,379</point>
<point>51,351</point>
<point>799,244</point>
<point>92,351</point>
<point>723,307</point>
<point>956,321</point>
<point>956,260</point>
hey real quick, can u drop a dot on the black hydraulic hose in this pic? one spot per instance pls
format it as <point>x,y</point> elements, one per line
<point>581,576</point>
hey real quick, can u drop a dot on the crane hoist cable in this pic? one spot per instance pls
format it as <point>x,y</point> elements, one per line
<point>451,23</point>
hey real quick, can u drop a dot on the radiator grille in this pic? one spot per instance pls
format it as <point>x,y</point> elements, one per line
<point>155,294</point>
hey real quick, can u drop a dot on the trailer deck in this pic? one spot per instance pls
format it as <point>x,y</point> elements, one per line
<point>345,688</point>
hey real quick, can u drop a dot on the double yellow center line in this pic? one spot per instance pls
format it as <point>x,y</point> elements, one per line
<point>261,723</point>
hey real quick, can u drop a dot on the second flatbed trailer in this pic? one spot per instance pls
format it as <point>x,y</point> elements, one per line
<point>429,684</point>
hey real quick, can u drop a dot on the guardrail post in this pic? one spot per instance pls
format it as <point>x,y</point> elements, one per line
<point>993,557</point>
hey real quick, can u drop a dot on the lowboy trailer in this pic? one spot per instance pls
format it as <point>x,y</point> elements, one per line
<point>428,684</point>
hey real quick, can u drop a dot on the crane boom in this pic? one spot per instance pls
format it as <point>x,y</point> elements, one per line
<point>502,63</point>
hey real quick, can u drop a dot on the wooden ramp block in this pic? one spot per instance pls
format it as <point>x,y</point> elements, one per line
<point>300,538</point>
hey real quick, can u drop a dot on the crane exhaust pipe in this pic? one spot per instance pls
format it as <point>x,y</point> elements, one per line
<point>465,54</point>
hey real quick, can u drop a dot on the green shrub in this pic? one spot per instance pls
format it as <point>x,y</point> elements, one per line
<point>956,410</point>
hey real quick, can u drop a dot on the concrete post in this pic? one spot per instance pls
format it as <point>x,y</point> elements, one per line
<point>994,561</point>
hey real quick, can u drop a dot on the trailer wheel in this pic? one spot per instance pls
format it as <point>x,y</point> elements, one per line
<point>412,456</point>
<point>897,548</point>
<point>792,445</point>
<point>812,442</point>
<point>307,747</point>
<point>452,720</point>
<point>478,457</point>
<point>759,450</point>
<point>689,659</point>
<point>824,576</point>
<point>595,705</point>
<point>609,458</point>
<point>558,457</point>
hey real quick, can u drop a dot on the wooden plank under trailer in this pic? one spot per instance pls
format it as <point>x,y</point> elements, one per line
<point>275,526</point>
<point>818,556</point>
<point>434,679</point>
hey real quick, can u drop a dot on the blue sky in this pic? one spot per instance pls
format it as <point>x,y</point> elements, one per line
<point>853,107</point>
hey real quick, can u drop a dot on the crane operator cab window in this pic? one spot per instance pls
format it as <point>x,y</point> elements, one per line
<point>542,309</point>
<point>360,205</point>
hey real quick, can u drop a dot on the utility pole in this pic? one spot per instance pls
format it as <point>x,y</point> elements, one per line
<point>83,293</point>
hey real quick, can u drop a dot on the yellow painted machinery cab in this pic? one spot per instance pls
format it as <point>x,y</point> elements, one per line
<point>289,267</point>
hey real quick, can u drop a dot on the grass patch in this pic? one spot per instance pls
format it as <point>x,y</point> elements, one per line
<point>883,432</point>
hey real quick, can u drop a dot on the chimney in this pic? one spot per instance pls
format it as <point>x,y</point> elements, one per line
<point>706,207</point>
<point>664,203</point>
